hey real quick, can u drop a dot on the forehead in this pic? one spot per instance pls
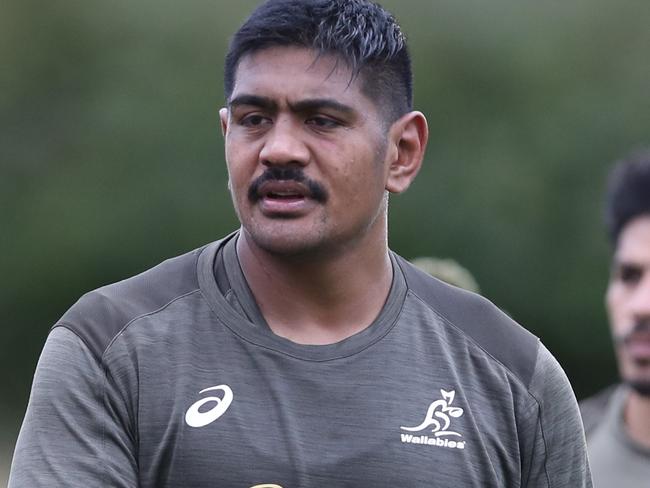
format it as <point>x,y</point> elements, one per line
<point>634,241</point>
<point>295,72</point>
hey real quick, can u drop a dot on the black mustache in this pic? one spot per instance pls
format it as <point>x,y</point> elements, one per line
<point>640,327</point>
<point>288,173</point>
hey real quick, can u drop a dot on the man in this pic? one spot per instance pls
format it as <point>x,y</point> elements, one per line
<point>299,351</point>
<point>617,420</point>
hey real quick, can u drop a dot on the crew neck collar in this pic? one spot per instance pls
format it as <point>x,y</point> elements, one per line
<point>263,336</point>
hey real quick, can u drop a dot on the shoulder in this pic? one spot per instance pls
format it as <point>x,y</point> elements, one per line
<point>479,320</point>
<point>100,315</point>
<point>593,408</point>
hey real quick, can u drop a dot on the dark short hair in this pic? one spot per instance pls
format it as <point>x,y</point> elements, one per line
<point>628,192</point>
<point>359,32</point>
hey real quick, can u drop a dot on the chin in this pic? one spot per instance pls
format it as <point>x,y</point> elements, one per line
<point>286,243</point>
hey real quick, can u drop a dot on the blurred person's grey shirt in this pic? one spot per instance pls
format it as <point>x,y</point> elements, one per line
<point>616,459</point>
<point>173,379</point>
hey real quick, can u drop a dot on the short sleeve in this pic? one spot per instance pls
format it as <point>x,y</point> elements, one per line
<point>75,432</point>
<point>558,457</point>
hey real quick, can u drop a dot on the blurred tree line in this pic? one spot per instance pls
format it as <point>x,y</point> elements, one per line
<point>111,157</point>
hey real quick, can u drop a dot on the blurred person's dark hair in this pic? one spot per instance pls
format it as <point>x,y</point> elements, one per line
<point>628,192</point>
<point>359,32</point>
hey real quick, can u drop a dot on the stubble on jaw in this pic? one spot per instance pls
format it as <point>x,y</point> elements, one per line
<point>637,381</point>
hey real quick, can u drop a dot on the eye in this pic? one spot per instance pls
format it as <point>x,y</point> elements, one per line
<point>323,122</point>
<point>629,274</point>
<point>254,120</point>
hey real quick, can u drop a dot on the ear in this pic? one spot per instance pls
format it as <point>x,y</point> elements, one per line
<point>408,136</point>
<point>223,116</point>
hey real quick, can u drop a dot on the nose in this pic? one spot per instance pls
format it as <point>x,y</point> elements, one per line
<point>284,145</point>
<point>640,301</point>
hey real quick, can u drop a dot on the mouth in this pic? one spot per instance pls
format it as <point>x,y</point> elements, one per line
<point>636,344</point>
<point>284,198</point>
<point>637,347</point>
<point>283,190</point>
<point>286,192</point>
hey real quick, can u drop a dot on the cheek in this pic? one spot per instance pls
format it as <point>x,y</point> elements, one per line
<point>240,163</point>
<point>238,188</point>
<point>362,187</point>
<point>615,303</point>
<point>232,177</point>
<point>362,173</point>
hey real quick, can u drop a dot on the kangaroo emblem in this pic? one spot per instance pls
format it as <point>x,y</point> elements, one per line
<point>438,416</point>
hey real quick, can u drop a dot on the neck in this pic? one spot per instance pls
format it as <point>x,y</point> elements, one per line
<point>637,418</point>
<point>312,300</point>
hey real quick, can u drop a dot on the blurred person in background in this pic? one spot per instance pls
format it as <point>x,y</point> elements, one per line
<point>447,270</point>
<point>617,420</point>
<point>299,351</point>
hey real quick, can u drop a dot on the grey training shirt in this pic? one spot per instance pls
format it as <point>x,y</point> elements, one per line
<point>173,379</point>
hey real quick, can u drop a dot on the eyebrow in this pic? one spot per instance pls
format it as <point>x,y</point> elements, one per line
<point>253,100</point>
<point>632,262</point>
<point>315,104</point>
<point>307,105</point>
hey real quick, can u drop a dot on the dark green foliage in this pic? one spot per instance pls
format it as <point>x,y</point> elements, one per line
<point>111,157</point>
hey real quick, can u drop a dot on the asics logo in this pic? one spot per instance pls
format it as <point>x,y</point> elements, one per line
<point>194,417</point>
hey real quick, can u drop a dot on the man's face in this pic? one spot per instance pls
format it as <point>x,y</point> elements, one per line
<point>628,302</point>
<point>306,153</point>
